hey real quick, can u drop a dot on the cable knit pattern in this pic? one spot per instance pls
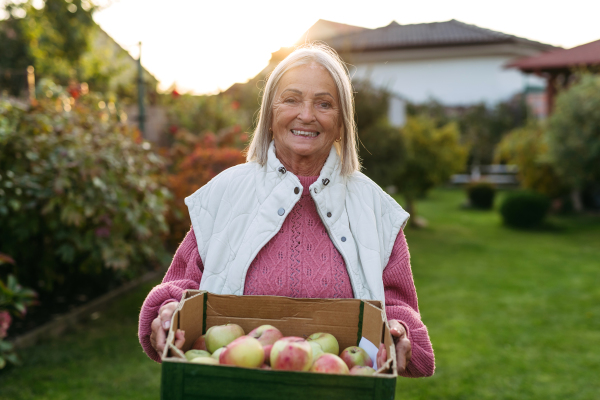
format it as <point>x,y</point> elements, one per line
<point>300,260</point>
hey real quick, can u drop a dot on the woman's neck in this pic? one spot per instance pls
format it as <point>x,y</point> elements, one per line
<point>302,166</point>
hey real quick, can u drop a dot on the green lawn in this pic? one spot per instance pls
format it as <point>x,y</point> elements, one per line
<point>511,314</point>
<point>101,359</point>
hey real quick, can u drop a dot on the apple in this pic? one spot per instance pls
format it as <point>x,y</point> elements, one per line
<point>200,343</point>
<point>205,360</point>
<point>267,350</point>
<point>328,342</point>
<point>191,354</point>
<point>217,353</point>
<point>244,351</point>
<point>328,363</point>
<point>317,350</point>
<point>361,370</point>
<point>221,335</point>
<point>291,354</point>
<point>354,355</point>
<point>266,334</point>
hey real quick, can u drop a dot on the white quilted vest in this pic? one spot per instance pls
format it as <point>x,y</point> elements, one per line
<point>241,209</point>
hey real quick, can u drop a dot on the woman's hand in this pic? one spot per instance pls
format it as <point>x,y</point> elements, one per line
<point>160,327</point>
<point>403,347</point>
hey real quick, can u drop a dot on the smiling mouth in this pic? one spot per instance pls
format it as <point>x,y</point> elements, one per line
<point>296,132</point>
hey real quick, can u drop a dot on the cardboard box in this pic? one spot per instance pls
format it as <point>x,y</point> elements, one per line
<point>347,319</point>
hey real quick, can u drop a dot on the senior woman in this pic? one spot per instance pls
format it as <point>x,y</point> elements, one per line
<point>298,219</point>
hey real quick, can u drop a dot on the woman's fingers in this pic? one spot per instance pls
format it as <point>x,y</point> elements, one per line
<point>179,338</point>
<point>165,313</point>
<point>403,346</point>
<point>381,355</point>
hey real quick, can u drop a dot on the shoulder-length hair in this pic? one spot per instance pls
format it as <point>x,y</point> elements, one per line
<point>329,59</point>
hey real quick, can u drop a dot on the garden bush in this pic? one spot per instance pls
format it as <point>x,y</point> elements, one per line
<point>481,195</point>
<point>14,300</point>
<point>524,209</point>
<point>81,199</point>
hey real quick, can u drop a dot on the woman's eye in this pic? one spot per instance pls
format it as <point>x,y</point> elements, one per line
<point>289,101</point>
<point>325,105</point>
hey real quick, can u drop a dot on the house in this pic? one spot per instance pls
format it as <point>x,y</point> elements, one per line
<point>557,67</point>
<point>451,62</point>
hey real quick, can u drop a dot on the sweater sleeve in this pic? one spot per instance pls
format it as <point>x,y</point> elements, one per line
<point>184,273</point>
<point>401,304</point>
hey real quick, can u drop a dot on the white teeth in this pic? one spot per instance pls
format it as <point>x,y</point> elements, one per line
<point>304,133</point>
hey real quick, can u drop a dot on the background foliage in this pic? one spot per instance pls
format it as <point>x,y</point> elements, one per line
<point>80,193</point>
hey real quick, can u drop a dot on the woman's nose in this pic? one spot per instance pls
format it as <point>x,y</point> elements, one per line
<point>306,112</point>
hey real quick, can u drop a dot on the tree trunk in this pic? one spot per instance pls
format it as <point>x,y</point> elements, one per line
<point>576,199</point>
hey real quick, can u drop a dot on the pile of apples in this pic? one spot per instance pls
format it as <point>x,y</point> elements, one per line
<point>266,348</point>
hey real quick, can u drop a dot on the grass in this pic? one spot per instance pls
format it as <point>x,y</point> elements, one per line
<point>511,315</point>
<point>100,359</point>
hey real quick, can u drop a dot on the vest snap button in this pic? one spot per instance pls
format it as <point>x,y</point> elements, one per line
<point>325,181</point>
<point>281,211</point>
<point>282,170</point>
<point>296,190</point>
<point>343,238</point>
<point>329,215</point>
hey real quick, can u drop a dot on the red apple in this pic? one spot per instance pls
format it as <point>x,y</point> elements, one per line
<point>244,351</point>
<point>291,354</point>
<point>328,342</point>
<point>266,334</point>
<point>221,335</point>
<point>354,355</point>
<point>200,344</point>
<point>329,364</point>
<point>361,370</point>
<point>267,350</point>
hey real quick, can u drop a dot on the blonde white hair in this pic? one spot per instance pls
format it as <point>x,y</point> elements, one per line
<point>329,59</point>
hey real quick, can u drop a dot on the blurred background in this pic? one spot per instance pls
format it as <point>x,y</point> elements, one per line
<point>482,119</point>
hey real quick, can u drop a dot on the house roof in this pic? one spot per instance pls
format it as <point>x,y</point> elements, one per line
<point>324,29</point>
<point>435,34</point>
<point>585,55</point>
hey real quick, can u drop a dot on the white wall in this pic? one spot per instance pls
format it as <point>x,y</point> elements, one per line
<point>452,81</point>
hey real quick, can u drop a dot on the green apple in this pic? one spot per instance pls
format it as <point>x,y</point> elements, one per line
<point>354,355</point>
<point>217,353</point>
<point>221,335</point>
<point>317,350</point>
<point>205,360</point>
<point>361,370</point>
<point>191,354</point>
<point>328,342</point>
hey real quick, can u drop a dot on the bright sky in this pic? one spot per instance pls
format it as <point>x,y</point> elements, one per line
<point>206,46</point>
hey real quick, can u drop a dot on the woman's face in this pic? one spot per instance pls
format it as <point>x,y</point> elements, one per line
<point>306,115</point>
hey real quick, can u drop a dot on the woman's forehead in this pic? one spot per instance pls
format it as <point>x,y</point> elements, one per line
<point>309,77</point>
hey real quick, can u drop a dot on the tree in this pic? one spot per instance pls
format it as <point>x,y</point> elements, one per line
<point>52,38</point>
<point>432,155</point>
<point>527,148</point>
<point>574,135</point>
<point>381,147</point>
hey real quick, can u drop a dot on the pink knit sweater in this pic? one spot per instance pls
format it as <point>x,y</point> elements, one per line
<point>301,261</point>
